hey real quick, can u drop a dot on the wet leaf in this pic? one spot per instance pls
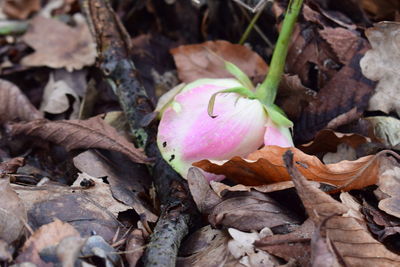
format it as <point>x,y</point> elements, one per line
<point>266,166</point>
<point>381,64</point>
<point>351,240</point>
<point>80,134</point>
<point>15,105</point>
<point>58,45</point>
<point>206,60</point>
<point>13,215</point>
<point>48,235</point>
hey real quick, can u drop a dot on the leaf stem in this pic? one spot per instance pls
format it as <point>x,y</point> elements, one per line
<point>266,92</point>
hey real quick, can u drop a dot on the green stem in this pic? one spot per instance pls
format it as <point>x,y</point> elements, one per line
<point>266,92</point>
<point>250,26</point>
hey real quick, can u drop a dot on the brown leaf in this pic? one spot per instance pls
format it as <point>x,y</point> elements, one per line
<point>221,188</point>
<point>381,9</point>
<point>381,63</point>
<point>249,211</point>
<point>128,182</point>
<point>204,60</point>
<point>135,247</point>
<point>266,166</point>
<point>204,197</point>
<point>17,9</point>
<point>294,245</point>
<point>351,240</point>
<point>12,213</point>
<point>48,235</point>
<point>80,134</point>
<point>11,166</point>
<point>327,141</point>
<point>388,191</point>
<point>15,105</point>
<point>78,205</point>
<point>58,45</point>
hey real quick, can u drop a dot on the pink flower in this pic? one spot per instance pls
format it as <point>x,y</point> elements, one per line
<point>187,133</point>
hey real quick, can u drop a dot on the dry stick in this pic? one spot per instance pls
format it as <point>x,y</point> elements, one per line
<point>113,52</point>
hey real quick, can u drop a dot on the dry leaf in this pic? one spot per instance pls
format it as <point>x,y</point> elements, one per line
<point>387,130</point>
<point>204,197</point>
<point>266,166</point>
<point>249,211</point>
<point>80,134</point>
<point>381,63</point>
<point>128,182</point>
<point>294,245</point>
<point>11,166</point>
<point>206,60</point>
<point>381,9</point>
<point>349,237</point>
<point>388,191</point>
<point>327,141</point>
<point>135,246</point>
<point>20,9</point>
<point>70,204</point>
<point>344,152</point>
<point>58,45</point>
<point>221,188</point>
<point>15,105</point>
<point>12,213</point>
<point>48,235</point>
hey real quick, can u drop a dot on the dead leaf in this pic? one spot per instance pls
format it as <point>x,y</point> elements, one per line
<point>381,64</point>
<point>128,182</point>
<point>388,191</point>
<point>204,61</point>
<point>387,130</point>
<point>327,141</point>
<point>135,247</point>
<point>294,245</point>
<point>381,9</point>
<point>11,166</point>
<point>204,197</point>
<point>249,211</point>
<point>5,252</point>
<point>20,9</point>
<point>344,152</point>
<point>13,215</point>
<point>58,45</point>
<point>266,166</point>
<point>48,235</point>
<point>221,188</point>
<point>15,105</point>
<point>351,240</point>
<point>80,134</point>
<point>69,204</point>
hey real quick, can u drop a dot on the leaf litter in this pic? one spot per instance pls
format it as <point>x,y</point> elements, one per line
<point>78,192</point>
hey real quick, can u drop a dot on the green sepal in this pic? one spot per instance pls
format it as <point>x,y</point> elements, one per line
<point>243,91</point>
<point>239,74</point>
<point>278,116</point>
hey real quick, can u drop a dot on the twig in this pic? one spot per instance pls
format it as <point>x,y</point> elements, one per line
<point>113,52</point>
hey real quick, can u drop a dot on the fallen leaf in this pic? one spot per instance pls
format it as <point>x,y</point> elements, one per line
<point>294,245</point>
<point>17,9</point>
<point>388,191</point>
<point>13,215</point>
<point>48,235</point>
<point>344,152</point>
<point>135,247</point>
<point>266,166</point>
<point>206,60</point>
<point>387,130</point>
<point>351,240</point>
<point>58,45</point>
<point>381,9</point>
<point>5,252</point>
<point>327,141</point>
<point>221,188</point>
<point>11,166</point>
<point>80,134</point>
<point>381,64</point>
<point>249,211</point>
<point>15,105</point>
<point>62,85</point>
<point>204,197</point>
<point>128,182</point>
<point>78,205</point>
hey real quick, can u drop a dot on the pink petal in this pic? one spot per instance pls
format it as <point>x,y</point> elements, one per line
<point>278,136</point>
